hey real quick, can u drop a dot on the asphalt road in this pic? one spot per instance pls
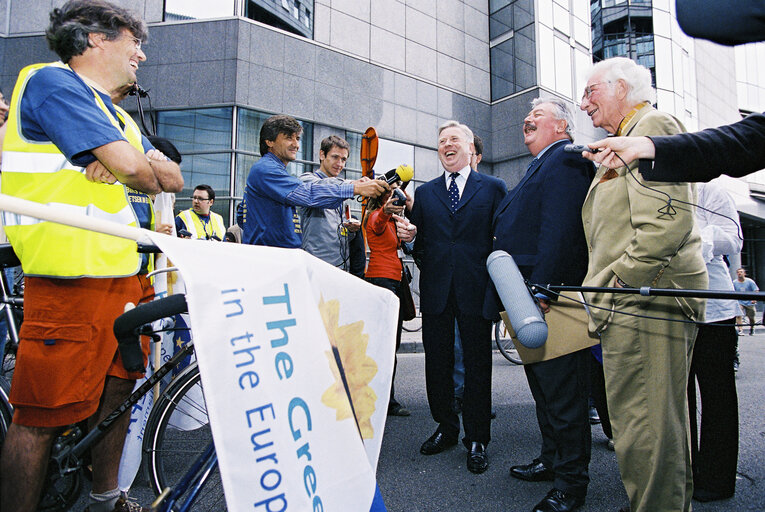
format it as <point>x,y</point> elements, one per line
<point>411,482</point>
<point>439,483</point>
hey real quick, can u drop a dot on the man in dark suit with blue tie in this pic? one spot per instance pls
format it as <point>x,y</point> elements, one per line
<point>539,224</point>
<point>453,216</point>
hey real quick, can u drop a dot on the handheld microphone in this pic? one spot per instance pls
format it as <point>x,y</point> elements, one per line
<point>578,148</point>
<point>525,317</point>
<point>402,173</point>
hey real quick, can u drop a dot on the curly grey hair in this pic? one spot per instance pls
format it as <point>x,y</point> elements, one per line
<point>72,23</point>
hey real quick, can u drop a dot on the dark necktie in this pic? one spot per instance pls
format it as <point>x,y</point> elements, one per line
<point>454,192</point>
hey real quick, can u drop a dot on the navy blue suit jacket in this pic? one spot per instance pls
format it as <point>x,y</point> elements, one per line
<point>539,223</point>
<point>451,248</point>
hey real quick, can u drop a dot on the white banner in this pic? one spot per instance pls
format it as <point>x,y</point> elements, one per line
<point>267,324</point>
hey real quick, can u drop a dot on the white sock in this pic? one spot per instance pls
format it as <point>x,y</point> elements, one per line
<point>103,502</point>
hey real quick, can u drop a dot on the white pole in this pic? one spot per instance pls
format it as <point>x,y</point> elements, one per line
<point>61,215</point>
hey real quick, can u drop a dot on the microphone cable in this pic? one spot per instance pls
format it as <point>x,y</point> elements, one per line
<point>669,210</point>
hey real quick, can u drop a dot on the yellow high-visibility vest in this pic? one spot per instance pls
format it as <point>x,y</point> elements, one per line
<point>38,171</point>
<point>200,230</point>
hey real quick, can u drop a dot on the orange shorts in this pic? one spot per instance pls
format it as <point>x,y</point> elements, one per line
<point>67,346</point>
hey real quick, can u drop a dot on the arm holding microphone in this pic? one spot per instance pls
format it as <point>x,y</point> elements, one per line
<point>736,149</point>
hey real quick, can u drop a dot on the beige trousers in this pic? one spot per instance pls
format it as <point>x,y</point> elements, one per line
<point>646,364</point>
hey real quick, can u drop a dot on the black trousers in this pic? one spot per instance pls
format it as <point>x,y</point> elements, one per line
<point>561,390</point>
<point>392,285</point>
<point>598,394</point>
<point>438,341</point>
<point>714,453</point>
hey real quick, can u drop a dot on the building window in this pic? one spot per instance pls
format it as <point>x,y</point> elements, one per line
<point>249,123</point>
<point>294,16</point>
<point>176,10</point>
<point>205,139</point>
<point>512,47</point>
<point>623,29</point>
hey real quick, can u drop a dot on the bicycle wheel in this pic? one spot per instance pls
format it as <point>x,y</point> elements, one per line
<point>505,343</point>
<point>6,409</point>
<point>177,432</point>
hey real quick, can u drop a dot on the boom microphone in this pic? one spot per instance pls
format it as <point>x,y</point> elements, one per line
<point>524,315</point>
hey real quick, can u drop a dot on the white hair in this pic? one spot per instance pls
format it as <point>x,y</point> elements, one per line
<point>561,110</point>
<point>456,124</point>
<point>637,78</point>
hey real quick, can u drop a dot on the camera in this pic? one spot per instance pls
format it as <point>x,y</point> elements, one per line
<point>400,197</point>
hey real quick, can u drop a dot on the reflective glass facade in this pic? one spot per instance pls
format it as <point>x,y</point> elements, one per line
<point>294,16</point>
<point>217,155</point>
<point>512,47</point>
<point>623,28</point>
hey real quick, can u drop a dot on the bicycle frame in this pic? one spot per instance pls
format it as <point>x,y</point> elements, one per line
<point>196,476</point>
<point>66,453</point>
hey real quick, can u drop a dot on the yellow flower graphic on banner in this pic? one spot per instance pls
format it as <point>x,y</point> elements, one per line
<point>349,343</point>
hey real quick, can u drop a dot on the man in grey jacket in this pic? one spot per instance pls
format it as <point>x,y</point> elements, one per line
<point>327,233</point>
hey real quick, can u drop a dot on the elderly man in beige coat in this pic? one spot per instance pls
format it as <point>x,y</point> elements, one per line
<point>642,234</point>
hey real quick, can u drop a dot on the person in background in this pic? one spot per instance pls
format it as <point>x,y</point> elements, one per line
<point>327,233</point>
<point>385,267</point>
<point>714,451</point>
<point>744,284</point>
<point>270,215</point>
<point>199,220</point>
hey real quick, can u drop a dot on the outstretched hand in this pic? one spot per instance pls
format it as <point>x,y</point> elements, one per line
<point>370,188</point>
<point>628,148</point>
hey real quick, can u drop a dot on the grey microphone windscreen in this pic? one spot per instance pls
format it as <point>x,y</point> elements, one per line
<point>525,317</point>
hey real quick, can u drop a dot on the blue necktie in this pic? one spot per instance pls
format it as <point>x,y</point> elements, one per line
<point>454,192</point>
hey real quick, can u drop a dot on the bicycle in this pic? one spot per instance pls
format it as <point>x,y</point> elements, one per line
<point>505,343</point>
<point>178,421</point>
<point>11,309</point>
<point>66,462</point>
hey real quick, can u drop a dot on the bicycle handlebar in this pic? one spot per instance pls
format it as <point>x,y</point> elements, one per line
<point>127,327</point>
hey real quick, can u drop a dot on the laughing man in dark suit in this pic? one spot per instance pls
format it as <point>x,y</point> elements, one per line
<point>539,223</point>
<point>453,216</point>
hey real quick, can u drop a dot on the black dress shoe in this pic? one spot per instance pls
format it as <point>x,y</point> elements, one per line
<point>477,460</point>
<point>437,443</point>
<point>559,501</point>
<point>594,417</point>
<point>534,472</point>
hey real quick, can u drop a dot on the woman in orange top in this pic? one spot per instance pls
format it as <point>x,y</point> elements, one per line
<point>385,267</point>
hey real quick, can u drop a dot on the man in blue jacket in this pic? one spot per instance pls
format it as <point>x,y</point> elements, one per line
<point>272,194</point>
<point>540,225</point>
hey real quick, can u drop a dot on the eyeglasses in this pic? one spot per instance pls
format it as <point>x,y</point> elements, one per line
<point>137,42</point>
<point>197,198</point>
<point>589,90</point>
